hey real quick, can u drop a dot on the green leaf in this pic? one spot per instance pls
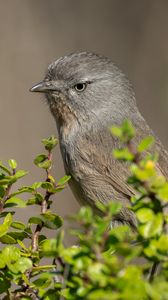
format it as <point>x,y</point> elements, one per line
<point>2,192</point>
<point>24,189</point>
<point>36,185</point>
<point>45,165</point>
<point>123,154</point>
<point>43,281</point>
<point>18,225</point>
<point>47,185</point>
<point>20,173</point>
<point>114,207</point>
<point>52,294</point>
<point>50,143</point>
<point>33,201</point>
<point>57,189</point>
<point>14,201</point>
<point>96,271</point>
<point>162,244</point>
<point>6,224</point>
<point>64,180</point>
<point>162,192</point>
<point>51,221</point>
<point>22,245</point>
<point>49,247</point>
<point>145,144</point>
<point>116,131</point>
<point>4,168</point>
<point>143,174</point>
<point>101,206</point>
<point>152,227</point>
<point>144,215</point>
<point>125,132</point>
<point>6,181</point>
<point>23,264</point>
<point>5,283</point>
<point>86,214</point>
<point>18,235</point>
<point>40,158</point>
<point>128,130</point>
<point>10,254</point>
<point>7,239</point>
<point>48,220</point>
<point>12,163</point>
<point>35,220</point>
<point>5,213</point>
<point>2,262</point>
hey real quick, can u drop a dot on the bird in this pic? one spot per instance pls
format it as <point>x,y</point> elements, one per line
<point>87,93</point>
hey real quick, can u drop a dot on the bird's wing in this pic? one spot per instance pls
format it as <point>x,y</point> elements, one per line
<point>102,170</point>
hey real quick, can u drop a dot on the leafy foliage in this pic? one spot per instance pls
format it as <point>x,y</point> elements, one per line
<point>108,263</point>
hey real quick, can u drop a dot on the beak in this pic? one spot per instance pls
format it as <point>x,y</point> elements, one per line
<point>43,87</point>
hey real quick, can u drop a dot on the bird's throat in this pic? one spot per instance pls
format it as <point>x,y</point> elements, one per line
<point>65,117</point>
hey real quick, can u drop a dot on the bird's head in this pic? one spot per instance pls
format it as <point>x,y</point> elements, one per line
<point>86,87</point>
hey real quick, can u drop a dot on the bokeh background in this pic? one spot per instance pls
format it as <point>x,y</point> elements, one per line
<point>33,33</point>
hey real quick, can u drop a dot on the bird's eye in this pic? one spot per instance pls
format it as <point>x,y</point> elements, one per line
<point>80,87</point>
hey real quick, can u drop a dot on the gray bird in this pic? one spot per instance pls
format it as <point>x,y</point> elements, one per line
<point>87,93</point>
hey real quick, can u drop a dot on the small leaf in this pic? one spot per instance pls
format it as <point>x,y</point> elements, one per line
<point>144,215</point>
<point>42,161</point>
<point>5,213</point>
<point>47,185</point>
<point>18,225</point>
<point>162,244</point>
<point>152,227</point>
<point>24,189</point>
<point>12,163</point>
<point>35,220</point>
<point>49,247</point>
<point>20,173</point>
<point>51,178</point>
<point>22,245</point>
<point>64,180</point>
<point>2,192</point>
<point>116,131</point>
<point>10,254</point>
<point>5,284</point>
<point>146,143</point>
<point>23,264</point>
<point>57,189</point>
<point>7,239</point>
<point>2,262</point>
<point>5,181</point>
<point>45,165</point>
<point>128,130</point>
<point>14,201</point>
<point>4,168</point>
<point>125,132</point>
<point>43,281</point>
<point>40,158</point>
<point>18,235</point>
<point>143,174</point>
<point>123,154</point>
<point>34,200</point>
<point>162,192</point>
<point>86,214</point>
<point>51,221</point>
<point>50,143</point>
<point>6,224</point>
<point>36,185</point>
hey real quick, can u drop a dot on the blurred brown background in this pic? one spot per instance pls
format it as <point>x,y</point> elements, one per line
<point>34,32</point>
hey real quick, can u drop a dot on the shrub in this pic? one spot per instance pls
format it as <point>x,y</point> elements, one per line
<point>108,263</point>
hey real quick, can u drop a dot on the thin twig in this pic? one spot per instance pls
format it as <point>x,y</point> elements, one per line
<point>153,271</point>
